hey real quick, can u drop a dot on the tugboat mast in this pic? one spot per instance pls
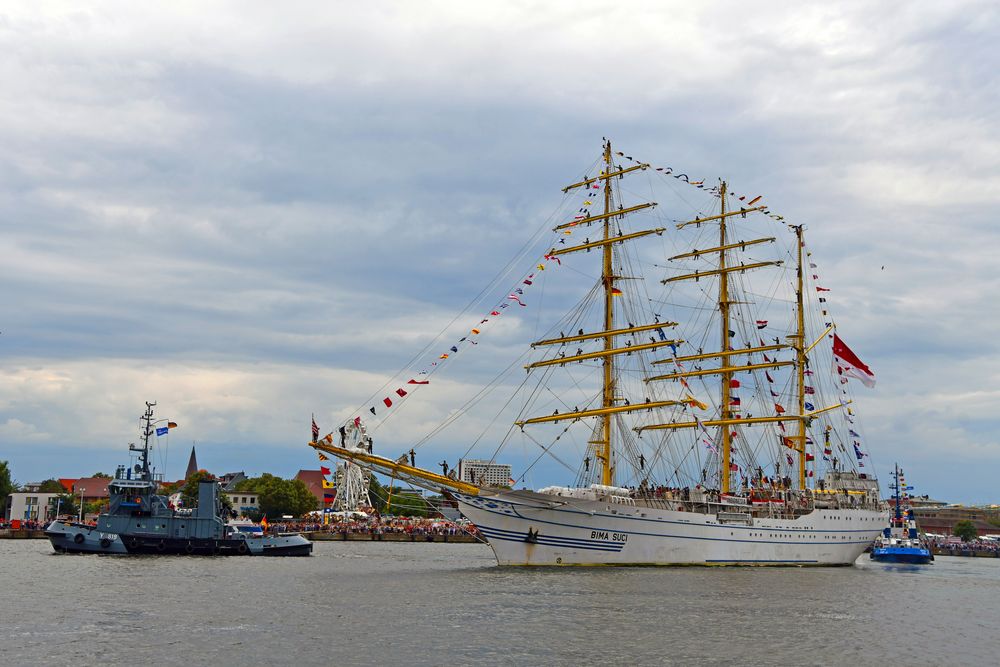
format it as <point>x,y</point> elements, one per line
<point>147,432</point>
<point>899,512</point>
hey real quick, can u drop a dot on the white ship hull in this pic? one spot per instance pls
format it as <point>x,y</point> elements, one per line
<point>528,528</point>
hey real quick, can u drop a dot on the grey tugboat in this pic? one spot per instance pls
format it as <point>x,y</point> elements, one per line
<point>139,521</point>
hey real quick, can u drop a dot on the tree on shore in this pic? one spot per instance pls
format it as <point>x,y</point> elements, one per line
<point>65,504</point>
<point>51,486</point>
<point>966,530</point>
<point>7,487</point>
<point>397,500</point>
<point>278,497</point>
<point>377,493</point>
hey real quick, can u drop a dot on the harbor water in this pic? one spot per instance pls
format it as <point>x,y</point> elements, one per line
<point>366,603</point>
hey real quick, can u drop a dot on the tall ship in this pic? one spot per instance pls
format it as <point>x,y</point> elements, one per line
<point>696,391</point>
<point>139,521</point>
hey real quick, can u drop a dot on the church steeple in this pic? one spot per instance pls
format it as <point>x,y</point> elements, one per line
<point>192,464</point>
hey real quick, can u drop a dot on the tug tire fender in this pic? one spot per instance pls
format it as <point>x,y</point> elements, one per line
<point>78,538</point>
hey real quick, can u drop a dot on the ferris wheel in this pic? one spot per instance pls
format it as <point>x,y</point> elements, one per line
<point>351,480</point>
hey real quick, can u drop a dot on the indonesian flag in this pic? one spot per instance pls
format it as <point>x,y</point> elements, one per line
<point>846,363</point>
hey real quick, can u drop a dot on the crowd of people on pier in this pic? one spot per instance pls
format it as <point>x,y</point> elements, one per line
<point>979,544</point>
<point>378,525</point>
<point>28,524</point>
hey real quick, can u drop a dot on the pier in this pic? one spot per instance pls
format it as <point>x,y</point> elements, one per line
<point>21,534</point>
<point>966,551</point>
<point>353,536</point>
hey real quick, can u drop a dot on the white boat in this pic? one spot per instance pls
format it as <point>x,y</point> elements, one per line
<point>709,447</point>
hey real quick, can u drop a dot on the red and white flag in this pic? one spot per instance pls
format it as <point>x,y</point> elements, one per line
<point>847,364</point>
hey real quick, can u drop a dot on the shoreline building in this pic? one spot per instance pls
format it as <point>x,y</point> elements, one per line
<point>30,506</point>
<point>941,520</point>
<point>243,502</point>
<point>482,472</point>
<point>313,479</point>
<point>92,489</point>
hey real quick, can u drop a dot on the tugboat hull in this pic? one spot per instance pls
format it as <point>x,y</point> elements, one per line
<point>79,538</point>
<point>907,555</point>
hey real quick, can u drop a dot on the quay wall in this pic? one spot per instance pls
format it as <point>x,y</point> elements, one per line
<point>8,534</point>
<point>327,536</point>
<point>964,551</point>
<point>317,536</point>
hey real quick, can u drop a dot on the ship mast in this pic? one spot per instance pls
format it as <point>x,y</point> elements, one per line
<point>727,375</point>
<point>609,406</point>
<point>607,278</point>
<point>728,365</point>
<point>800,359</point>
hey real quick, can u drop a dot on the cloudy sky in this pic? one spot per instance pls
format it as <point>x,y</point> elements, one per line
<point>251,212</point>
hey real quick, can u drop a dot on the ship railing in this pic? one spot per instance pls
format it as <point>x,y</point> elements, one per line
<point>661,503</point>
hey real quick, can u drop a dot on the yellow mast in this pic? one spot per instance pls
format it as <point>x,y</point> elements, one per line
<point>800,358</point>
<point>727,376</point>
<point>608,401</point>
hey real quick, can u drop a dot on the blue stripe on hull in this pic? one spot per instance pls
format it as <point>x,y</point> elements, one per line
<point>550,540</point>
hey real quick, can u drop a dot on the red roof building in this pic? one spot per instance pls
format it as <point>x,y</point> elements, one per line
<point>313,480</point>
<point>91,488</point>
